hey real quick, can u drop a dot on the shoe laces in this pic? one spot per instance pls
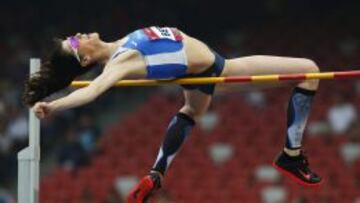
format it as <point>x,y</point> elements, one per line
<point>305,161</point>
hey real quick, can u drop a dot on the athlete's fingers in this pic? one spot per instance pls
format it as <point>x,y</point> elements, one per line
<point>40,109</point>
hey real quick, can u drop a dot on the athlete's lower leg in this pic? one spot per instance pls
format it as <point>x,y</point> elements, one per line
<point>299,109</point>
<point>178,129</point>
<point>176,133</point>
<point>292,162</point>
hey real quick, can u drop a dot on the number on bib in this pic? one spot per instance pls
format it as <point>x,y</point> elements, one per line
<point>155,33</point>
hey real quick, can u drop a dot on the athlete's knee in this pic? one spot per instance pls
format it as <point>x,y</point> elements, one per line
<point>311,65</point>
<point>194,113</point>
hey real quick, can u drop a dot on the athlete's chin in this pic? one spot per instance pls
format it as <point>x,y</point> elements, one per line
<point>94,35</point>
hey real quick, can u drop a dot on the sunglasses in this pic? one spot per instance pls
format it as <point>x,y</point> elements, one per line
<point>74,44</point>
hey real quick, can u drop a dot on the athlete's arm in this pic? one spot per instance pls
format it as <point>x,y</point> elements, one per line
<point>87,94</point>
<point>82,96</point>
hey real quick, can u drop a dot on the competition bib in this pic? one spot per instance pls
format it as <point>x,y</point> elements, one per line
<point>155,33</point>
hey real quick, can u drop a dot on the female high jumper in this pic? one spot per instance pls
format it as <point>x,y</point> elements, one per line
<point>168,53</point>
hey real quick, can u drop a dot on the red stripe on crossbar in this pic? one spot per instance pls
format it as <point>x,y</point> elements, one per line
<point>292,77</point>
<point>347,74</point>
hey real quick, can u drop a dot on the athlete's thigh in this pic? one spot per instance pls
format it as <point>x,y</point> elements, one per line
<point>264,65</point>
<point>196,103</point>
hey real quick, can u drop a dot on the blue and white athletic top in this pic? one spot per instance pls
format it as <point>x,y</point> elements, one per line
<point>162,49</point>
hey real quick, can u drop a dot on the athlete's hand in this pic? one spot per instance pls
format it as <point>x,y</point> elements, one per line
<point>42,109</point>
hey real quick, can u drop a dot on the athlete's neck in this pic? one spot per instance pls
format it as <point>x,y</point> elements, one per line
<point>106,50</point>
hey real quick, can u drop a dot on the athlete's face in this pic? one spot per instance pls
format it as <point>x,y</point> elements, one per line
<point>82,47</point>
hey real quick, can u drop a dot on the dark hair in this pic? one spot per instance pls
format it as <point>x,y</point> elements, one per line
<point>56,73</point>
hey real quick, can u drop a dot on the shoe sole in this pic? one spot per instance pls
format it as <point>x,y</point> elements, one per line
<point>296,179</point>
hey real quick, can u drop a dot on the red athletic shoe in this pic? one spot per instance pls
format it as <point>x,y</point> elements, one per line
<point>297,168</point>
<point>145,189</point>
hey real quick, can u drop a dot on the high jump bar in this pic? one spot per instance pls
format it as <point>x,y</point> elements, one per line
<point>233,79</point>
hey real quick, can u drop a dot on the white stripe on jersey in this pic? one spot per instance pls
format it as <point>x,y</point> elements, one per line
<point>178,57</point>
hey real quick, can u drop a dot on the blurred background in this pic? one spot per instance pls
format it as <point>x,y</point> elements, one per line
<point>94,154</point>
